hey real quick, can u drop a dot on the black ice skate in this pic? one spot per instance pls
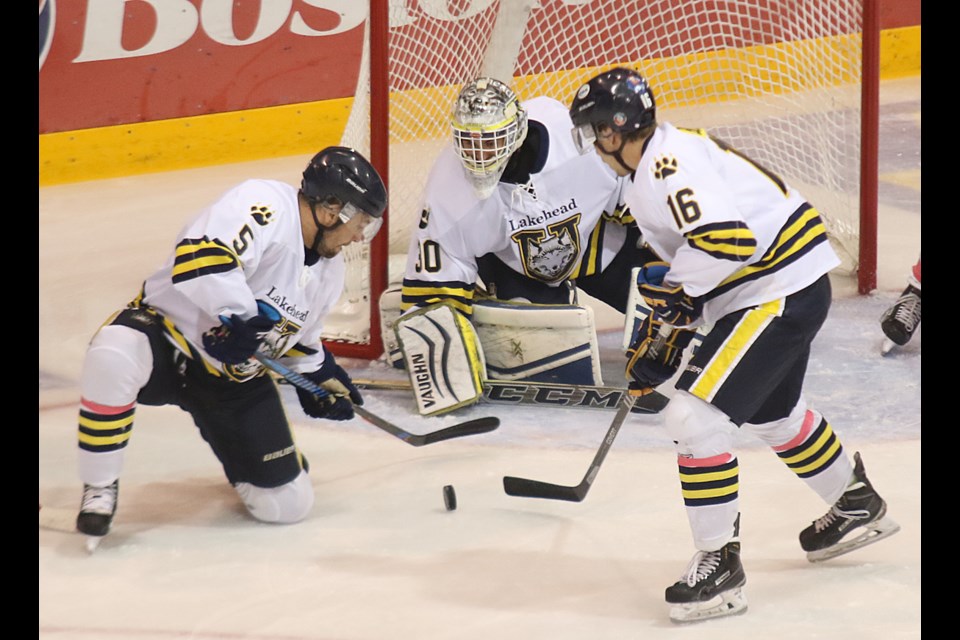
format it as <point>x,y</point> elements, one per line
<point>901,320</point>
<point>856,520</point>
<point>96,512</point>
<point>712,585</point>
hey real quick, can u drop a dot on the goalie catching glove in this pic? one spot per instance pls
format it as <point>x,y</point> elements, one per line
<point>343,393</point>
<point>669,302</point>
<point>648,367</point>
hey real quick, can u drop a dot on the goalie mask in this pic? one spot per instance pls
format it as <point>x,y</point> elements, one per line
<point>488,125</point>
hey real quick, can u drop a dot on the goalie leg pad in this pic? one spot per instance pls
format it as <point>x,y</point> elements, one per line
<point>554,343</point>
<point>443,358</point>
<point>389,314</point>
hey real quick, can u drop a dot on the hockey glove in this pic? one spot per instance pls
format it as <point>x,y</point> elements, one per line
<point>343,393</point>
<point>669,302</point>
<point>648,368</point>
<point>236,339</point>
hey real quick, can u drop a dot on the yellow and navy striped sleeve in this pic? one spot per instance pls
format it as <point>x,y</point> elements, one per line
<point>200,257</point>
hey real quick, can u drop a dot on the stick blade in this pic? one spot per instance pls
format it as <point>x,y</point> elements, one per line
<point>653,402</point>
<point>469,428</point>
<point>526,488</point>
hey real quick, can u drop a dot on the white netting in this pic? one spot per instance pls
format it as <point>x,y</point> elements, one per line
<point>779,80</point>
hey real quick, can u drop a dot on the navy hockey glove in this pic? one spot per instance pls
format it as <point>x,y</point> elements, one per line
<point>343,393</point>
<point>669,302</point>
<point>236,339</point>
<point>648,368</point>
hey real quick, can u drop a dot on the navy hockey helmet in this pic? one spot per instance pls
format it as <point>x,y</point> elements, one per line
<point>344,174</point>
<point>619,99</point>
<point>341,175</point>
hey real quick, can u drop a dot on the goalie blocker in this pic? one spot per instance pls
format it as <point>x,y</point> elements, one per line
<point>447,355</point>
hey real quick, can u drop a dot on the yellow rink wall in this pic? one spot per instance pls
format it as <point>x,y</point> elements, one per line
<point>255,134</point>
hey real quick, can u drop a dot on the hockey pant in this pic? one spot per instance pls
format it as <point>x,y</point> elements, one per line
<point>748,373</point>
<point>130,362</point>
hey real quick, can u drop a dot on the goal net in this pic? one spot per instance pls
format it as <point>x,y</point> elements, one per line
<point>780,81</point>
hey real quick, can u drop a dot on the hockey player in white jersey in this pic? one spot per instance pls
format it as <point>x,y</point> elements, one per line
<point>746,253</point>
<point>511,204</point>
<point>258,270</point>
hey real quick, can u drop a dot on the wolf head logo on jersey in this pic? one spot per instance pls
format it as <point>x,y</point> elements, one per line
<point>552,259</point>
<point>550,254</point>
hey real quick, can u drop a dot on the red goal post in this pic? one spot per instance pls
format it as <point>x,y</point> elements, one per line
<point>794,85</point>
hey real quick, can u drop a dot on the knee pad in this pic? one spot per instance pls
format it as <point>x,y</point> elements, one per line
<point>780,432</point>
<point>286,504</point>
<point>118,363</point>
<point>697,427</point>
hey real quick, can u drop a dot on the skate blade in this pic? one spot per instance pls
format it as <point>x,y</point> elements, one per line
<point>92,543</point>
<point>874,532</point>
<point>887,346</point>
<point>728,603</point>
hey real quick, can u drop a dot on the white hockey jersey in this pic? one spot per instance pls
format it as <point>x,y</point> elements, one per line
<point>245,247</point>
<point>733,232</point>
<point>547,229</point>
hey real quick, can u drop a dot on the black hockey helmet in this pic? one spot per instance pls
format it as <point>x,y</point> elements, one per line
<point>619,99</point>
<point>341,176</point>
<point>344,174</point>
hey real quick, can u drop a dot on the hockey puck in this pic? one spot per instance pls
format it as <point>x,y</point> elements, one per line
<point>449,497</point>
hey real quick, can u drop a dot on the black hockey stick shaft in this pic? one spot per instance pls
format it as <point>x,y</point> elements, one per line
<point>469,428</point>
<point>527,488</point>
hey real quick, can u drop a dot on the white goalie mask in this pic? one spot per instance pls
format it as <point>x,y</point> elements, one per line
<point>488,125</point>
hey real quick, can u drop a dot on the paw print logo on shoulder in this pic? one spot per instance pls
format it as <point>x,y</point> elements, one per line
<point>664,167</point>
<point>261,214</point>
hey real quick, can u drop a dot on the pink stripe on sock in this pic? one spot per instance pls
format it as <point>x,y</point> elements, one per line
<point>712,461</point>
<point>105,409</point>
<point>800,437</point>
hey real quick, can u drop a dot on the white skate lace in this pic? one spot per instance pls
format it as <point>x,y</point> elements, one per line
<point>98,499</point>
<point>822,523</point>
<point>856,514</point>
<point>907,311</point>
<point>703,564</point>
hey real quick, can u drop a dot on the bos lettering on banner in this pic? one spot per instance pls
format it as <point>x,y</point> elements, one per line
<point>110,62</point>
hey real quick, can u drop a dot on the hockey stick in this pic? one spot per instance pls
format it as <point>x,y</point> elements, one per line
<point>469,428</point>
<point>526,488</point>
<point>544,394</point>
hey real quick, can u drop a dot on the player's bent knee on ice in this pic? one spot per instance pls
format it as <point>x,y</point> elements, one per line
<point>286,504</point>
<point>698,428</point>
<point>117,365</point>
